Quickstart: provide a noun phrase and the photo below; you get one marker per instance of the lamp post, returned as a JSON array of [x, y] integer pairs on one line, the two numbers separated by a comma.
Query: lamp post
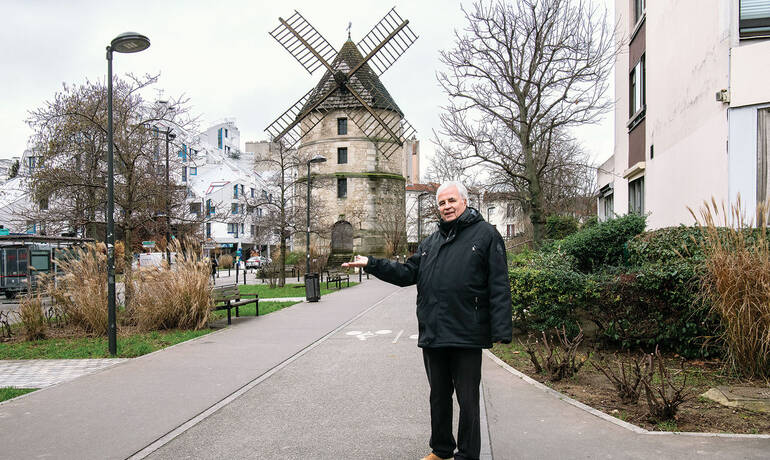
[[170, 136], [315, 159], [128, 42]]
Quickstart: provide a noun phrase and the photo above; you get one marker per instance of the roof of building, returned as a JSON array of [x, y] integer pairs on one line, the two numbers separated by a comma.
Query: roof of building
[[365, 82]]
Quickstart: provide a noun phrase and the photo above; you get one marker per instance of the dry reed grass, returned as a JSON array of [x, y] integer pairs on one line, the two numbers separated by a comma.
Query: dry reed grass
[[32, 317], [176, 297], [80, 289], [226, 261], [737, 283]]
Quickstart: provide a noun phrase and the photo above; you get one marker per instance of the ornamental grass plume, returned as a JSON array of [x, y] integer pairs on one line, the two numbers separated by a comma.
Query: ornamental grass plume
[[32, 317], [737, 283], [80, 287], [174, 297]]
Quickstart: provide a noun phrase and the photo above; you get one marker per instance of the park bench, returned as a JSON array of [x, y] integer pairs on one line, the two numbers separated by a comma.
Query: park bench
[[337, 278], [227, 297]]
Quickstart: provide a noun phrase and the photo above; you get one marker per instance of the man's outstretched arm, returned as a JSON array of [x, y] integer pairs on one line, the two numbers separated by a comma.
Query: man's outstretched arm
[[387, 270]]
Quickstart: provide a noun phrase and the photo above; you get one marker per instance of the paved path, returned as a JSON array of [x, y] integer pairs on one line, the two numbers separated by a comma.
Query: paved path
[[340, 379], [42, 373]]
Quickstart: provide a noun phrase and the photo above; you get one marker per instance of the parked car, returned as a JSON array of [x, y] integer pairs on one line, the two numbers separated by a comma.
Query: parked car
[[252, 262], [263, 260]]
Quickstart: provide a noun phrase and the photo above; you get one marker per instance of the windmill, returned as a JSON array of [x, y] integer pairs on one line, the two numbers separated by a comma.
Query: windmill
[[351, 81]]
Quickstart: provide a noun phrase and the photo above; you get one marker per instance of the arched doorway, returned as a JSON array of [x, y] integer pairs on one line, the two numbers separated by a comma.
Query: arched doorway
[[342, 237]]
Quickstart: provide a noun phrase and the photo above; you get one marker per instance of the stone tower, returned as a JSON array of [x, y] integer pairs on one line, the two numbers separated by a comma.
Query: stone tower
[[362, 188]]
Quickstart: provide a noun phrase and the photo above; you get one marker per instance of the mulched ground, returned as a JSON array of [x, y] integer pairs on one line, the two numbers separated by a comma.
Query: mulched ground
[[698, 414]]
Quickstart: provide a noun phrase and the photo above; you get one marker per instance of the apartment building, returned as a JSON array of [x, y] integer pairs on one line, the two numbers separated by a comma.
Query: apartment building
[[692, 112]]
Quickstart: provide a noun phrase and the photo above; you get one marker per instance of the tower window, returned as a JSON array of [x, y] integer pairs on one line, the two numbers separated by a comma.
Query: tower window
[[342, 187], [342, 126], [342, 155]]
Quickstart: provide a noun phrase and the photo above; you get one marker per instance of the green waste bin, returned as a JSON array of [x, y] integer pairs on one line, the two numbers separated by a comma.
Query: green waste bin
[[312, 287]]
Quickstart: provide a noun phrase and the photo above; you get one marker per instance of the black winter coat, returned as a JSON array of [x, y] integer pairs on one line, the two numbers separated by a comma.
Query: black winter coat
[[463, 291]]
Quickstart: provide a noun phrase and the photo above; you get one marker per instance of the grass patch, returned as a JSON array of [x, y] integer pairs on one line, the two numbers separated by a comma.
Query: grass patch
[[129, 346], [264, 309], [289, 290], [11, 392]]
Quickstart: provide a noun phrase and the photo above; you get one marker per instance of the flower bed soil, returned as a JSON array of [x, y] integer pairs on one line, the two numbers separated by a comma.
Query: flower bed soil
[[698, 414]]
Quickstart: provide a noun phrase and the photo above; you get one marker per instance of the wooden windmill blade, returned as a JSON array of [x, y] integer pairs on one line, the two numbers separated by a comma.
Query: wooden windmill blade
[[304, 42], [384, 49], [287, 125]]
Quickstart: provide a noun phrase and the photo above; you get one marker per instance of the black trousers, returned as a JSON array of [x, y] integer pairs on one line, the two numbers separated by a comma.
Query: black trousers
[[455, 370]]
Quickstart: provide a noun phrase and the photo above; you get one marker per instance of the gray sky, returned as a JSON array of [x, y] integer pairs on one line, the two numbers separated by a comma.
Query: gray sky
[[220, 55]]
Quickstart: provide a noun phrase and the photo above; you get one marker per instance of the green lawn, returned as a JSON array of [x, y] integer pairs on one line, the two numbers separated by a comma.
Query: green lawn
[[96, 347], [289, 290], [11, 392]]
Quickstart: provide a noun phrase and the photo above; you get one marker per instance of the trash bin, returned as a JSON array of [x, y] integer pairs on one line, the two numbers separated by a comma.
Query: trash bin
[[312, 287]]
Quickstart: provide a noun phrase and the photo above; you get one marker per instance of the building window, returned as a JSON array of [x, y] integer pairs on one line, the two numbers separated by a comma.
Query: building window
[[252, 192], [235, 191], [253, 229], [219, 138], [184, 173], [639, 7], [234, 208], [510, 230], [195, 208], [232, 228], [342, 155], [754, 19], [636, 89], [208, 229], [193, 170], [342, 126], [636, 196], [342, 187], [226, 133], [209, 208]]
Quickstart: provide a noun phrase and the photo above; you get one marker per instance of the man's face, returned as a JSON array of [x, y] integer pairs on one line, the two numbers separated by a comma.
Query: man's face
[[450, 204]]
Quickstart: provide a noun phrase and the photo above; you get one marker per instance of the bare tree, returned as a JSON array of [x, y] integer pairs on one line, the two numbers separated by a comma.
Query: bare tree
[[519, 75], [70, 139], [282, 198]]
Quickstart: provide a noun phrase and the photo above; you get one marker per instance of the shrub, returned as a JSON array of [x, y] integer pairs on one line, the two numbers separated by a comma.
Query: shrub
[[32, 317], [653, 304], [546, 298], [174, 298], [665, 245], [295, 257], [559, 227], [602, 244], [737, 282], [80, 289], [226, 261]]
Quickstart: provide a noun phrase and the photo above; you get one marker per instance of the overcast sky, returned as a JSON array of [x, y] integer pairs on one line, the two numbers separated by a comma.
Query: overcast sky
[[219, 54]]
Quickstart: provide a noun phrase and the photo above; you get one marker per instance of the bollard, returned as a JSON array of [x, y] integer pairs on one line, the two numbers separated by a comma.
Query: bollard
[[244, 276], [360, 272]]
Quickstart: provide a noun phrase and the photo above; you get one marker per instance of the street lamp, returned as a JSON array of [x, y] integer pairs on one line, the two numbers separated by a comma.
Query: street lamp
[[315, 159], [170, 136], [128, 42]]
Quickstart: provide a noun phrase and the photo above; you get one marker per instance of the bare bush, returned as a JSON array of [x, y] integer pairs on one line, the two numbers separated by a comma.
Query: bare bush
[[5, 324], [560, 361], [628, 380], [178, 297], [665, 396], [32, 318]]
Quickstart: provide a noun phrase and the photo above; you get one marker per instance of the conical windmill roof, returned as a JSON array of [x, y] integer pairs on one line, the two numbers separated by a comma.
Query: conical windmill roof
[[365, 82]]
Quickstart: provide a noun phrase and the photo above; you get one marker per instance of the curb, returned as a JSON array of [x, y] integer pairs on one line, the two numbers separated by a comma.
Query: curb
[[609, 418]]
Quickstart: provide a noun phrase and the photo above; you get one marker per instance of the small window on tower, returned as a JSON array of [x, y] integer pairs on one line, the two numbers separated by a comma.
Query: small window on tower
[[342, 126], [342, 187], [342, 155]]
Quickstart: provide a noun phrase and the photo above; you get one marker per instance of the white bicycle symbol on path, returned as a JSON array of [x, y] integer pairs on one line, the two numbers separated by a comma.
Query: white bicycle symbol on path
[[360, 335]]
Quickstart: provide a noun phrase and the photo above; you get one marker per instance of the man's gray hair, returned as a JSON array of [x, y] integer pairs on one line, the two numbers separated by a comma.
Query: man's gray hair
[[453, 183]]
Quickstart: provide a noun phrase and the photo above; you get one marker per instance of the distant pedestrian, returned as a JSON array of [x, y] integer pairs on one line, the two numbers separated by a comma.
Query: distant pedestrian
[[463, 305], [214, 265]]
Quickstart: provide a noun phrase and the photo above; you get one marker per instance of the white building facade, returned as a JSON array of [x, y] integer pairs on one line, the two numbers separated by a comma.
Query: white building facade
[[693, 108]]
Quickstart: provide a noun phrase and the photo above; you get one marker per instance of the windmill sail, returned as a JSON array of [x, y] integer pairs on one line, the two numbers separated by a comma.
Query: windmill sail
[[303, 42], [389, 49]]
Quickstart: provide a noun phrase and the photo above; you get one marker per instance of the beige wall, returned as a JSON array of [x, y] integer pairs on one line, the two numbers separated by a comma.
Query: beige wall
[[749, 70]]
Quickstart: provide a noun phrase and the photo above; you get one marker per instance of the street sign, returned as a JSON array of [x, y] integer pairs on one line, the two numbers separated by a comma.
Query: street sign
[[4, 232], [148, 244]]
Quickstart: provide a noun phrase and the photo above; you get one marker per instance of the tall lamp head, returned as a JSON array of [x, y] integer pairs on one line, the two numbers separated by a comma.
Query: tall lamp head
[[130, 42]]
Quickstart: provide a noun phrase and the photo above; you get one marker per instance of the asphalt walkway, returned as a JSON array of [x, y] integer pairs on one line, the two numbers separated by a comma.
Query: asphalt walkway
[[339, 379]]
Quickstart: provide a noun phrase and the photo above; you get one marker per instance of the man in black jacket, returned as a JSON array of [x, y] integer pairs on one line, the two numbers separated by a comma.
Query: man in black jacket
[[463, 305]]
